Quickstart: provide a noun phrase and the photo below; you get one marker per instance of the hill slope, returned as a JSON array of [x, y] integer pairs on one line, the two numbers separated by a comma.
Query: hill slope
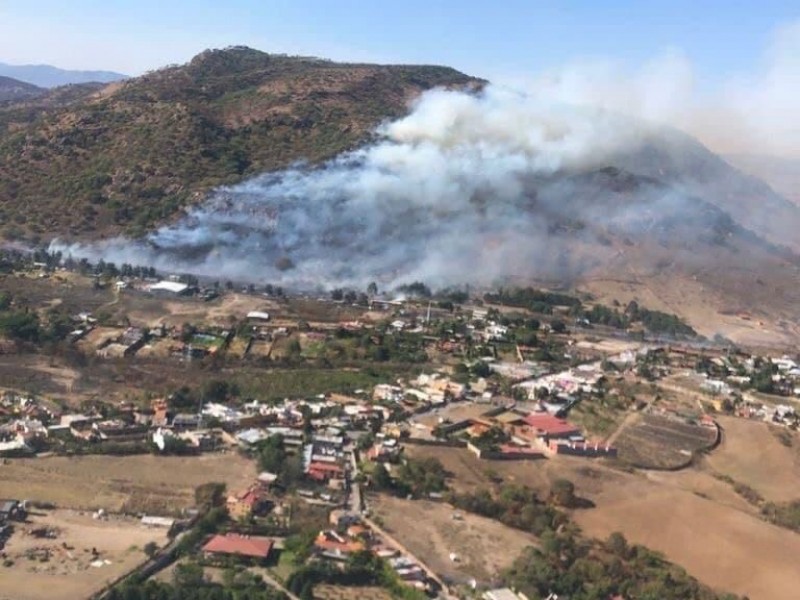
[[134, 153], [12, 90], [47, 76]]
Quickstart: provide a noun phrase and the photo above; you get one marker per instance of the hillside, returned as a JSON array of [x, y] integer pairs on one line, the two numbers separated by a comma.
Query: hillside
[[48, 76], [12, 90], [135, 152]]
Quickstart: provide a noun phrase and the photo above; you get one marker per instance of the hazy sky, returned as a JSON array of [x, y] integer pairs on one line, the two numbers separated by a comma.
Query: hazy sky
[[491, 39], [726, 70]]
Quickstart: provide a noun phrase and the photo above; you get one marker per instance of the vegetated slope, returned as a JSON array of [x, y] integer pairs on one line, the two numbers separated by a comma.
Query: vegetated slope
[[683, 254], [134, 153], [47, 76], [13, 90]]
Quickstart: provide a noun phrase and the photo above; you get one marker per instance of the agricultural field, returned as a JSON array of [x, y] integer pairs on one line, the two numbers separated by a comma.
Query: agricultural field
[[133, 484], [657, 442], [63, 565], [433, 530], [338, 592]]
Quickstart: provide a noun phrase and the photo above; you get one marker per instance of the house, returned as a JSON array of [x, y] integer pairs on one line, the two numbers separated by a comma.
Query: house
[[581, 448], [160, 410], [500, 594], [332, 544], [186, 421], [257, 315], [158, 522], [232, 544], [266, 479], [549, 427], [323, 471], [246, 504], [169, 288]]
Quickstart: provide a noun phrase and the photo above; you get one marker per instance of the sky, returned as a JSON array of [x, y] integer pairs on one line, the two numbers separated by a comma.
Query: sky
[[490, 39], [683, 59]]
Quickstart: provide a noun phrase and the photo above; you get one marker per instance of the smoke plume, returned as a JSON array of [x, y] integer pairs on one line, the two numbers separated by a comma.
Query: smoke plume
[[484, 187]]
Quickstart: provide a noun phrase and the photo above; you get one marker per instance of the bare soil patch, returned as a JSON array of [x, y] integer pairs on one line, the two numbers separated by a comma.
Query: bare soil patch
[[153, 484], [65, 567], [428, 529]]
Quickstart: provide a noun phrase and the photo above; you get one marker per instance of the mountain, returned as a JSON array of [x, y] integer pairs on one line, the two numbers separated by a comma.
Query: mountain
[[680, 159], [132, 154], [260, 166], [47, 76], [782, 174], [12, 90]]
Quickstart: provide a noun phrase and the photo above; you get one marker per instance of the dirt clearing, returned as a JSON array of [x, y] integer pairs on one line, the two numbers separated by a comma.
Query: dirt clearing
[[428, 529], [64, 567], [153, 484]]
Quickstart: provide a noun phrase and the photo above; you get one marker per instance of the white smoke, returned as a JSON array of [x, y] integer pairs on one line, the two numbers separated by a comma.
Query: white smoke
[[444, 196], [753, 112]]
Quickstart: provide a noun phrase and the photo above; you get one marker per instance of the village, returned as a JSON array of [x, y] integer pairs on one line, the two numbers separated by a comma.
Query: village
[[508, 386]]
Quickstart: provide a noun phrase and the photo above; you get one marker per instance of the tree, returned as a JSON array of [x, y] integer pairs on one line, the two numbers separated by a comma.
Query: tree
[[617, 544], [307, 592], [293, 348], [558, 326], [381, 478], [20, 325], [188, 574], [150, 549], [372, 288], [218, 391], [271, 454], [209, 495], [562, 493]]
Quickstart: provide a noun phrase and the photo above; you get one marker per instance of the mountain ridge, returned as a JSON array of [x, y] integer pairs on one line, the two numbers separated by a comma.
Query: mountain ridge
[[134, 153], [48, 76]]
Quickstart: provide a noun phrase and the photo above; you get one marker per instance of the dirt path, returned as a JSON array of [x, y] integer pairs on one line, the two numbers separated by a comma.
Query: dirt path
[[403, 549], [629, 419]]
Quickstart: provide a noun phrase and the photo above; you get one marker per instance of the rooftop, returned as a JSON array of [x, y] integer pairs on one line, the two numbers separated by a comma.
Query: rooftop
[[169, 286], [549, 424]]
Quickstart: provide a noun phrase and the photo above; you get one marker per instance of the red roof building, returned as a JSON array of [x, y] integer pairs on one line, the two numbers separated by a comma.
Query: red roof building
[[321, 471], [550, 426], [239, 545]]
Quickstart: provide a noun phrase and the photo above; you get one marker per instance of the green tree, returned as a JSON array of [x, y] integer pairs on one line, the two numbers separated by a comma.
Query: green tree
[[563, 493], [150, 549]]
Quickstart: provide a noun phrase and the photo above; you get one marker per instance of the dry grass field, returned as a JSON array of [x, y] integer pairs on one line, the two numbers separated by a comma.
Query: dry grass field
[[429, 530], [693, 518], [157, 485], [64, 568], [752, 454], [722, 546]]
